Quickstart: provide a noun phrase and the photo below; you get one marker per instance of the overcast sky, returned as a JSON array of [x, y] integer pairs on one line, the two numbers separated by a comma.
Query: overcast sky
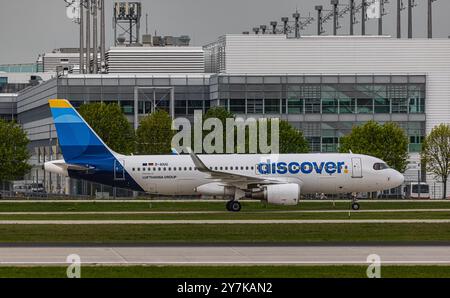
[[30, 27]]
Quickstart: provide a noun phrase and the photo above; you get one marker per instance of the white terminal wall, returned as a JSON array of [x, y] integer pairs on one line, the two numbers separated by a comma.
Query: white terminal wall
[[169, 59], [276, 54]]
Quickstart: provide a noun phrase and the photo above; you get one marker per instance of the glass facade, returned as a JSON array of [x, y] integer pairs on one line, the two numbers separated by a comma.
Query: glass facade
[[31, 67], [374, 97], [7, 87], [322, 95], [3, 82], [190, 93], [325, 108]]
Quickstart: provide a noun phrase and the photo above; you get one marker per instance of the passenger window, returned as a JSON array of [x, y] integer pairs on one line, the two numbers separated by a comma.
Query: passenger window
[[134, 169], [190, 168], [139, 169]]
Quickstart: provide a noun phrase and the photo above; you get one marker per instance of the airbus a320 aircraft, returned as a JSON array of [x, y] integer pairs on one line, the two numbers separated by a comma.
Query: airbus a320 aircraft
[[235, 176]]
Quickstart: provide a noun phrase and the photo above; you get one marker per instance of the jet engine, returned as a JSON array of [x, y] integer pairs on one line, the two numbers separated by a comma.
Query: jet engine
[[215, 189], [277, 194]]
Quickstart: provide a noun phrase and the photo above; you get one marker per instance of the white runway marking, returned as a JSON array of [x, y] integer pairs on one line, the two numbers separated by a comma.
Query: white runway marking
[[227, 255], [217, 221]]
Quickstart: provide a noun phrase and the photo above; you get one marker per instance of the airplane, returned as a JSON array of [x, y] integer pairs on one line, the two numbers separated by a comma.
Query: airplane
[[277, 179]]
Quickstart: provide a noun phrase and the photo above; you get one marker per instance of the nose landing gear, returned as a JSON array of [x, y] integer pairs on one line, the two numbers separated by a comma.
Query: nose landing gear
[[355, 204]]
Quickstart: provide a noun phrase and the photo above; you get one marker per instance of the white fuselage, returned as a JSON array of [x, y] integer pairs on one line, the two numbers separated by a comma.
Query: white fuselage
[[316, 173]]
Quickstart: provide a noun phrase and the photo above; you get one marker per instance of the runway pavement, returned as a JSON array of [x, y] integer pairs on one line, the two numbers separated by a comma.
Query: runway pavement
[[213, 212], [226, 255], [218, 221]]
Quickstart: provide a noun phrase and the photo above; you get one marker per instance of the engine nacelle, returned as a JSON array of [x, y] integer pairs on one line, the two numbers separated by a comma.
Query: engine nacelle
[[57, 167], [278, 194], [215, 189]]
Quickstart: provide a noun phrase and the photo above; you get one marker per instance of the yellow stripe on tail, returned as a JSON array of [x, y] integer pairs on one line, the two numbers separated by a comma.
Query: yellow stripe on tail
[[59, 103]]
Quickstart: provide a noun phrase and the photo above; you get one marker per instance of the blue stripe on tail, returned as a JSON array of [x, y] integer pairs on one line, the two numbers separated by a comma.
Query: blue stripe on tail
[[80, 145]]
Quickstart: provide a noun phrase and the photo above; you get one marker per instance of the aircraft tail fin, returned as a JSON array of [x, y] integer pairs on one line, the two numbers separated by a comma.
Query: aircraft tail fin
[[78, 141]]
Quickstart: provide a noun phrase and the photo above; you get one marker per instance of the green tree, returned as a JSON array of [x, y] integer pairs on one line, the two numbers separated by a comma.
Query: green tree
[[436, 154], [292, 139], [154, 134], [111, 125], [220, 113], [388, 142], [14, 153]]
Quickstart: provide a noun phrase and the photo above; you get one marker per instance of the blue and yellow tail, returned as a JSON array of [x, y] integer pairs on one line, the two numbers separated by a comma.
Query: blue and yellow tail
[[78, 141], [81, 146]]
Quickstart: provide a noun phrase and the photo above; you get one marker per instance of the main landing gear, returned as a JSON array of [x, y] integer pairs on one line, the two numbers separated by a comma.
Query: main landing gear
[[233, 206]]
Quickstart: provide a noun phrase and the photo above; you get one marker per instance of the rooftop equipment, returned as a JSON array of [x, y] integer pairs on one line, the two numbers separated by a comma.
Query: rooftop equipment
[[296, 17], [263, 29], [335, 4], [126, 18], [319, 9], [273, 24]]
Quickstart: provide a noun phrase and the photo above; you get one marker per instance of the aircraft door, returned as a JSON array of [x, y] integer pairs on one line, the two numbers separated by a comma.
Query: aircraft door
[[356, 167], [119, 170]]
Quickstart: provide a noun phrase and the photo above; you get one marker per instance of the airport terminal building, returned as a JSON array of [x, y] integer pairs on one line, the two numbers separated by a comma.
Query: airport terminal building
[[323, 85]]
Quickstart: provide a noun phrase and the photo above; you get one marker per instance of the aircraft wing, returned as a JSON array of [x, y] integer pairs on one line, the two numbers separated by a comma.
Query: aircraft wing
[[238, 180]]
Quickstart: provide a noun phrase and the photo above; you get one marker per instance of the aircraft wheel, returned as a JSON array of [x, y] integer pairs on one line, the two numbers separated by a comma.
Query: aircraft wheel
[[235, 206], [228, 205], [355, 206]]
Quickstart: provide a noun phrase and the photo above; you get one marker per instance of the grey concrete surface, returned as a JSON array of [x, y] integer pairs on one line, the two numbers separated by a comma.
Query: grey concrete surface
[[226, 255]]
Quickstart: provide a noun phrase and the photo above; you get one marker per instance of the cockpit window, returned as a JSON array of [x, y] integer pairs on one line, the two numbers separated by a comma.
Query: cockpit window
[[380, 166]]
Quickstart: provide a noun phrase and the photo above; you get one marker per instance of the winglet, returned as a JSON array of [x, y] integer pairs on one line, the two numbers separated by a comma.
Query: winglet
[[197, 162]]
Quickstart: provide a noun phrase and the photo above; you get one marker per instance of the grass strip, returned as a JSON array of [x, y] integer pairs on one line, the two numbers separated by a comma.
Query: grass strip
[[347, 271], [216, 233], [207, 206]]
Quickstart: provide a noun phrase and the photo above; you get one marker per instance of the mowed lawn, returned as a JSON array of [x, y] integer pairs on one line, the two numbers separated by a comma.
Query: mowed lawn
[[228, 233], [244, 215], [206, 206], [227, 272], [222, 233]]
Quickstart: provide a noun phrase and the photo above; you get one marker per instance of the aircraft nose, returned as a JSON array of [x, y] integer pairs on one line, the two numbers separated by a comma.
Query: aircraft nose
[[397, 178]]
